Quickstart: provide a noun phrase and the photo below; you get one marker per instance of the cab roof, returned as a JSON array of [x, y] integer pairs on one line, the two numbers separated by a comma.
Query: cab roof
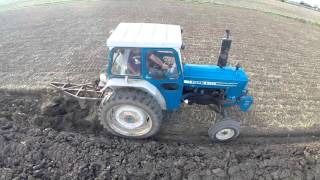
[[146, 35]]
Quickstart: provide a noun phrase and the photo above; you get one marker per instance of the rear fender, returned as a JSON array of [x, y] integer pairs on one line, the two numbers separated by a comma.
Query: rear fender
[[140, 84]]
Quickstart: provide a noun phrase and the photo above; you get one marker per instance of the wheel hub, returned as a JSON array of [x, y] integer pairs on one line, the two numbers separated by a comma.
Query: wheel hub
[[225, 134], [130, 120]]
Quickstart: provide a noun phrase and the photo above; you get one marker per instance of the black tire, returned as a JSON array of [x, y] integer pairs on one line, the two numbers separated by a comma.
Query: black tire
[[230, 126], [133, 98]]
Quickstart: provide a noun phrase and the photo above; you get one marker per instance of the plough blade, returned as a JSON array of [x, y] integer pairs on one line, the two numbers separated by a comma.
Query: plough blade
[[79, 91]]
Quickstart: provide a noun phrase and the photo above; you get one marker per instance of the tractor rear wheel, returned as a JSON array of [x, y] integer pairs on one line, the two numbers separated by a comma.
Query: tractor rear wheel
[[225, 130], [131, 113]]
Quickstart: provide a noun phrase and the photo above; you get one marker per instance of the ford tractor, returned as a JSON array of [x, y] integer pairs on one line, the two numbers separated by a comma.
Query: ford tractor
[[145, 77]]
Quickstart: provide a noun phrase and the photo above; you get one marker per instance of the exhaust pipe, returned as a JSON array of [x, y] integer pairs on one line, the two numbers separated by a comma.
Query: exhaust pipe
[[224, 51]]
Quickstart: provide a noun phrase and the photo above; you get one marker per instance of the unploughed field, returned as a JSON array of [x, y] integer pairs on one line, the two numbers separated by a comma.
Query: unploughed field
[[273, 7], [61, 42]]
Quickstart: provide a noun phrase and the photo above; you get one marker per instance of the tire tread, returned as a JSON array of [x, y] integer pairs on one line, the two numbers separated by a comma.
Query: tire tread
[[142, 99]]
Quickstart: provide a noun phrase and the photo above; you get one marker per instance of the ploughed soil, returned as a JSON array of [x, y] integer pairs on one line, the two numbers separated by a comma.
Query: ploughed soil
[[53, 137]]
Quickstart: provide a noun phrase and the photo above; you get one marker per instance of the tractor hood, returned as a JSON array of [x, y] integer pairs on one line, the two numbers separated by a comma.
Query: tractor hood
[[212, 76]]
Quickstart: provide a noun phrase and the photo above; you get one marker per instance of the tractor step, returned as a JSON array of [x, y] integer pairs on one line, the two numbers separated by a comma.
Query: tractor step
[[79, 91]]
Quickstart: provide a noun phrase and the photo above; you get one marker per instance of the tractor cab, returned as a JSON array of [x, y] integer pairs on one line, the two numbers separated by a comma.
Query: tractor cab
[[147, 56]]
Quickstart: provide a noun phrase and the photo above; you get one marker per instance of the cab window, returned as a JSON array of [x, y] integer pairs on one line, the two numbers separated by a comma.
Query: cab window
[[126, 61], [161, 64]]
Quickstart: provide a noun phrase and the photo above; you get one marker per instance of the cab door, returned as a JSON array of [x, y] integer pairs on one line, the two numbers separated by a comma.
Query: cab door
[[162, 69]]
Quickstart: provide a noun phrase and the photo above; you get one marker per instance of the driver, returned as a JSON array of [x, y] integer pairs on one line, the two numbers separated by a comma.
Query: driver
[[156, 66], [134, 62]]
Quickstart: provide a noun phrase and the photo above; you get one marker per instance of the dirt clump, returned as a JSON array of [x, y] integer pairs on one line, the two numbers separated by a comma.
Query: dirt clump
[[39, 142]]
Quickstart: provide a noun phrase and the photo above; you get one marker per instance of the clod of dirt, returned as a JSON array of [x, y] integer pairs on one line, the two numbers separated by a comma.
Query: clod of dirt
[[53, 108], [5, 124], [219, 172], [66, 114], [233, 169]]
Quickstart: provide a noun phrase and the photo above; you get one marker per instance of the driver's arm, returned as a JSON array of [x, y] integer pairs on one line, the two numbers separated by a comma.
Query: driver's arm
[[158, 61]]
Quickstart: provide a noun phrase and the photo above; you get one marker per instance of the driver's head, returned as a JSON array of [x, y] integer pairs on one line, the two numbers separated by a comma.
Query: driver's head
[[121, 51]]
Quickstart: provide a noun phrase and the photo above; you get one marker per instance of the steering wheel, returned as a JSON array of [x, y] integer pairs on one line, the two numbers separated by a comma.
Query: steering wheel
[[171, 72], [157, 73]]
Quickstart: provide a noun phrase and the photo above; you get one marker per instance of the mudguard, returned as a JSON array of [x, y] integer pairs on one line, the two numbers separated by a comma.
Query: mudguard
[[138, 84]]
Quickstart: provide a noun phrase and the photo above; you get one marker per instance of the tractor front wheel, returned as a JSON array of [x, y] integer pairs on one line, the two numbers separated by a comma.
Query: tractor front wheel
[[131, 113], [225, 130]]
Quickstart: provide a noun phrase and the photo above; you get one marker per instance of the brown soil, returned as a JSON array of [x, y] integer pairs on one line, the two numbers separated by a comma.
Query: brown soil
[[41, 139]]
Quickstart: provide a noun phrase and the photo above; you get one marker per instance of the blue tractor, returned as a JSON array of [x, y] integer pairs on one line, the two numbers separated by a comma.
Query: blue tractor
[[145, 76]]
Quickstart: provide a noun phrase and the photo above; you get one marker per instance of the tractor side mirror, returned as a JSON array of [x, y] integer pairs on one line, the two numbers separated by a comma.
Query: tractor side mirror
[[183, 46]]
